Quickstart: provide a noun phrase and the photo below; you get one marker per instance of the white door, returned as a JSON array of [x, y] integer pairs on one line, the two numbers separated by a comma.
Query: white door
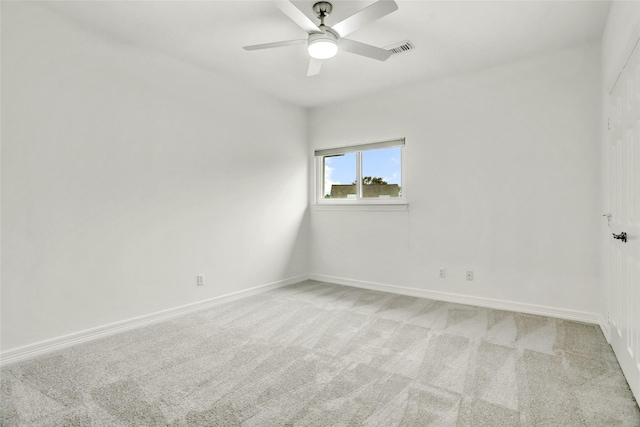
[[624, 206]]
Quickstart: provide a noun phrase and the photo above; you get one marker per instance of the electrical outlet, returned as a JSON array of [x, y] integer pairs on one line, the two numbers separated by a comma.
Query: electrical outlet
[[200, 279], [442, 274], [469, 275]]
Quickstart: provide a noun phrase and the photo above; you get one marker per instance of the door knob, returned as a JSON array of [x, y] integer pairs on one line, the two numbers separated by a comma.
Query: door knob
[[622, 236]]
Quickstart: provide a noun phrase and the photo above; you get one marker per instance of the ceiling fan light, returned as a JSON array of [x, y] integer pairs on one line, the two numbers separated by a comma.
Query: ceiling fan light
[[322, 48]]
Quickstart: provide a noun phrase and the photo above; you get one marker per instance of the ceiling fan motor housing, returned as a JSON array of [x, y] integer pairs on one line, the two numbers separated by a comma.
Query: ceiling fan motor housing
[[327, 34]]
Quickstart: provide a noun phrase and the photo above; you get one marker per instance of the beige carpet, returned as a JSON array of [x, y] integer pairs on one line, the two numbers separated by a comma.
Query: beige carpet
[[326, 355]]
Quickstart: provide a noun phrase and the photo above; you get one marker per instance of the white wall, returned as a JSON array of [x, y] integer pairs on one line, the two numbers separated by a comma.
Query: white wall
[[125, 174], [502, 179], [622, 29]]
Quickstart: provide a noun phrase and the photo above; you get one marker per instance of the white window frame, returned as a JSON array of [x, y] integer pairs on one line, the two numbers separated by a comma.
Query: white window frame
[[392, 203]]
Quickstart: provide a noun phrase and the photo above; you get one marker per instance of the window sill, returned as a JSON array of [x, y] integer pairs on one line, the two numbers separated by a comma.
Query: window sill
[[360, 207]]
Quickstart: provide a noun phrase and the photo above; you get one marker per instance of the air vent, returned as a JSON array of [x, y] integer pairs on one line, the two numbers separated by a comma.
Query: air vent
[[400, 47]]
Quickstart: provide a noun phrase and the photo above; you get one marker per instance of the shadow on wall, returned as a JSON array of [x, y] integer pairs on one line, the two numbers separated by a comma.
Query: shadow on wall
[[298, 260]]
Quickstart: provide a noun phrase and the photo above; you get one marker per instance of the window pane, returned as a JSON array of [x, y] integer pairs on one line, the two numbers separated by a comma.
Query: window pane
[[381, 173], [339, 176]]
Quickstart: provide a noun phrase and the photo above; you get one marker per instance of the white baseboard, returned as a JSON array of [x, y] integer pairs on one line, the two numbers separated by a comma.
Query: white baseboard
[[604, 325], [47, 346], [562, 313], [32, 350]]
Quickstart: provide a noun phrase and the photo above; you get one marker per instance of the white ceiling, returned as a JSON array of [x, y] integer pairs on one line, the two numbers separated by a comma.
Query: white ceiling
[[450, 37]]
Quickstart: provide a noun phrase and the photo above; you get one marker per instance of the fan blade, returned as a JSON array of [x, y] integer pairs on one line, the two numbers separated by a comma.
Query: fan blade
[[274, 44], [314, 67], [298, 17], [363, 17], [364, 49]]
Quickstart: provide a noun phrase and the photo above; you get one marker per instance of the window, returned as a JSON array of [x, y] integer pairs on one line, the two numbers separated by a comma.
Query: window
[[361, 174]]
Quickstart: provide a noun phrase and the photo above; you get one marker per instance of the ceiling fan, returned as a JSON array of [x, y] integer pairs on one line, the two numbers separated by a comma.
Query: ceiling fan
[[324, 41]]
